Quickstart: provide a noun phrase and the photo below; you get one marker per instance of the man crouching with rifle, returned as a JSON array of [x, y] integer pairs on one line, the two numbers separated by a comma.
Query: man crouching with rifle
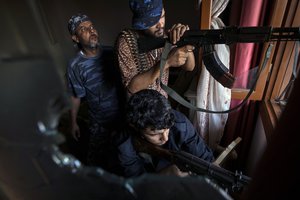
[[158, 139]]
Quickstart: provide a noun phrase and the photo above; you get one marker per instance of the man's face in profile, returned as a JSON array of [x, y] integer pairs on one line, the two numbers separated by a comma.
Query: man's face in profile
[[158, 29], [156, 137], [86, 35]]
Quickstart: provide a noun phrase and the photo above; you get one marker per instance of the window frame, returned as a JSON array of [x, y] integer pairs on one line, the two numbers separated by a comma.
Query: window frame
[[282, 65], [275, 76]]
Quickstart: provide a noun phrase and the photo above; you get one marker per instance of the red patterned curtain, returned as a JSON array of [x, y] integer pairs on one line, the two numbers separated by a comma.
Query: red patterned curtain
[[242, 122]]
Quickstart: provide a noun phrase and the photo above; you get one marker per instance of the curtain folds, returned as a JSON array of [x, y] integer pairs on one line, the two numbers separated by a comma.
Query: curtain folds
[[242, 122], [211, 94]]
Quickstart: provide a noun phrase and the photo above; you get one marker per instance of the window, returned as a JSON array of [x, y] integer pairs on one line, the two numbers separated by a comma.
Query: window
[[278, 72], [285, 14]]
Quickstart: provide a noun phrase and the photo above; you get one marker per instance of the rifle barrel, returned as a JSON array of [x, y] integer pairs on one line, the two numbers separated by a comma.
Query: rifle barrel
[[189, 162], [226, 35]]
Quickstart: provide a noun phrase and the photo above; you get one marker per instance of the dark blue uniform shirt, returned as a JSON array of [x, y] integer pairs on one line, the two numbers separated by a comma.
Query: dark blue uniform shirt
[[182, 136], [95, 80]]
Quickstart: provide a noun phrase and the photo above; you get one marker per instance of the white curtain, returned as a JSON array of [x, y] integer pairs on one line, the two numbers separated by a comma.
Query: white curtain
[[212, 95]]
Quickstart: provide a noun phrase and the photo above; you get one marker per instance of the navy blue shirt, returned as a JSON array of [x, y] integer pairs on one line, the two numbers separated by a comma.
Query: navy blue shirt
[[94, 79], [182, 136]]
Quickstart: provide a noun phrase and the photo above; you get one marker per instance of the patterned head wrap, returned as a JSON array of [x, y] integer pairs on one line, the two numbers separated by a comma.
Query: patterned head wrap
[[146, 13], [75, 20]]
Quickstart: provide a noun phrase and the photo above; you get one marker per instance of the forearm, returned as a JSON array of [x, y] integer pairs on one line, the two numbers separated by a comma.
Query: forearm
[[144, 79], [173, 170], [74, 110], [190, 62]]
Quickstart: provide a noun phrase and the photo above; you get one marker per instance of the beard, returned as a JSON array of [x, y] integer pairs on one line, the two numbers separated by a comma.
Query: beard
[[90, 45], [159, 33], [94, 45], [93, 42]]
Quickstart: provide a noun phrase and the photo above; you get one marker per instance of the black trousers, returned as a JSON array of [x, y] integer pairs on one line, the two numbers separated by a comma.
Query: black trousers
[[101, 151]]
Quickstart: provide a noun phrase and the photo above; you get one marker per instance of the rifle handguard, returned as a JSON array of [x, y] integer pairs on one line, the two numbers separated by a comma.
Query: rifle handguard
[[216, 68]]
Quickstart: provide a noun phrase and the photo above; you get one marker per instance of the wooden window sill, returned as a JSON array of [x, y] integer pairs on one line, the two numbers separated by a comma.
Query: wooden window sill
[[270, 113]]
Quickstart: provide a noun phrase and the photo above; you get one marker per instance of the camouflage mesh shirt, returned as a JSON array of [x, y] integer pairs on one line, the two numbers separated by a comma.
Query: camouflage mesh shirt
[[131, 62]]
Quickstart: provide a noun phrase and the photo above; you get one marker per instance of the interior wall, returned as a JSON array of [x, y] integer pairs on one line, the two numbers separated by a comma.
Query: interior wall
[[109, 17], [40, 26]]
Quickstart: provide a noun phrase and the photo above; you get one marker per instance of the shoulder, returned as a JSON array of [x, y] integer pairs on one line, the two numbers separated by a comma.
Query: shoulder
[[126, 36], [128, 31], [179, 117], [182, 125], [123, 138], [125, 147], [75, 61]]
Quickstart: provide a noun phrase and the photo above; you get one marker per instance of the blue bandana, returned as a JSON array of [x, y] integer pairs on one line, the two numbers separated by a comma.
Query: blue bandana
[[146, 13], [75, 20]]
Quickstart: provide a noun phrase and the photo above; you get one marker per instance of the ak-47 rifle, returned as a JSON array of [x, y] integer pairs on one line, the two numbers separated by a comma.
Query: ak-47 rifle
[[186, 162], [228, 35]]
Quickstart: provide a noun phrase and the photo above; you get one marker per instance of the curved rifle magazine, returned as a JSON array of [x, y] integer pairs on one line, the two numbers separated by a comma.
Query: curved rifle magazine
[[216, 68]]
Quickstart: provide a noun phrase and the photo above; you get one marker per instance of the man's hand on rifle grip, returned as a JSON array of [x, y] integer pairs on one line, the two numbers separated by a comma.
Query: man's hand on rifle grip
[[174, 170], [176, 32]]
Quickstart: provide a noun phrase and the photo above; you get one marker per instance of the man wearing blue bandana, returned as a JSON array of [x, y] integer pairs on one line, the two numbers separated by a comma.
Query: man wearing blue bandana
[[141, 70], [92, 77]]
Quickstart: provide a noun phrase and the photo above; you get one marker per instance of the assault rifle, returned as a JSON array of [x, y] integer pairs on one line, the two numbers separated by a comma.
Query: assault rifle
[[228, 35], [233, 182], [186, 162]]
